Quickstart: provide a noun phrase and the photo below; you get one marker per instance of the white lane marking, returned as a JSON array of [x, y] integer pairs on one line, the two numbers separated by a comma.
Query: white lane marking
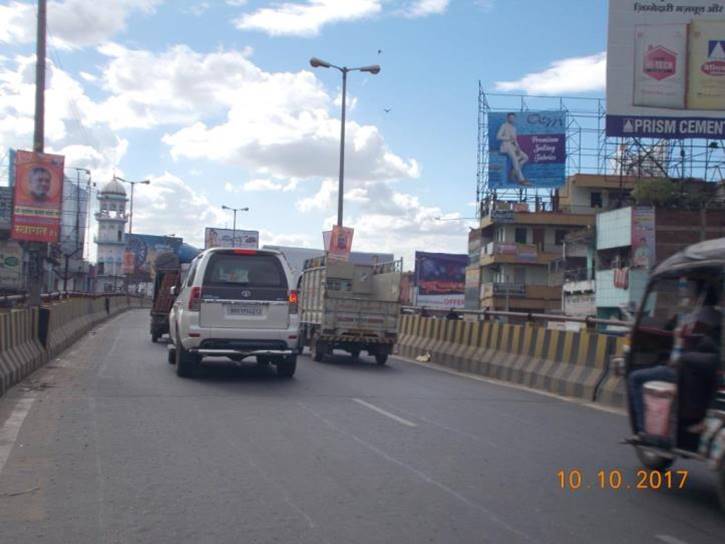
[[670, 539], [10, 429], [420, 474], [385, 413]]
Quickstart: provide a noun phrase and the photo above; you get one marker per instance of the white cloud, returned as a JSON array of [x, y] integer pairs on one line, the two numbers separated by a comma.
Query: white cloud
[[292, 131], [169, 205], [306, 18], [423, 8], [197, 9], [74, 123], [236, 2], [485, 5], [572, 75], [262, 185], [71, 23]]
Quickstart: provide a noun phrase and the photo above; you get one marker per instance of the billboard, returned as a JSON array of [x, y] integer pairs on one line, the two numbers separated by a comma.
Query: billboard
[[6, 207], [526, 149], [666, 69], [145, 248], [338, 242], [246, 239], [11, 265], [440, 279], [643, 237], [74, 213], [38, 192]]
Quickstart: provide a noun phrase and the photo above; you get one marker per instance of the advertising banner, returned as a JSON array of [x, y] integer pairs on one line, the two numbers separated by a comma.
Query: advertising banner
[[440, 279], [338, 242], [6, 207], [666, 69], [74, 212], [643, 237], [144, 248], [245, 239], [38, 192], [11, 265], [527, 149]]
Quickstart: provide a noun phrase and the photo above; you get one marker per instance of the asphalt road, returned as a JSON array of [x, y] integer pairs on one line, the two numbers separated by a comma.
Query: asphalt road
[[107, 444]]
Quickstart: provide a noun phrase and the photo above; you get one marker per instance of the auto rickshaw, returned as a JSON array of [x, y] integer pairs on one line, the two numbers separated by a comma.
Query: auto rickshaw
[[684, 417]]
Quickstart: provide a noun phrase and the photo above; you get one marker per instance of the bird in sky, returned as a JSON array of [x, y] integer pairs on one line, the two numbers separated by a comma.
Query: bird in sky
[[387, 110], [380, 51]]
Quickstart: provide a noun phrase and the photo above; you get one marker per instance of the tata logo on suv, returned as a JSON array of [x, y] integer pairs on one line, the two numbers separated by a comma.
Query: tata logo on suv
[[246, 293]]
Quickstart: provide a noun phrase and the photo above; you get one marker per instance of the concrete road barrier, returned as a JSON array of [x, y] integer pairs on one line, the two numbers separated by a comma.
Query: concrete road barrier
[[568, 363], [24, 347]]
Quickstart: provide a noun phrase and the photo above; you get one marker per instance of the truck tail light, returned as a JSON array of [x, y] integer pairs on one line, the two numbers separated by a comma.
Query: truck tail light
[[195, 299], [292, 299]]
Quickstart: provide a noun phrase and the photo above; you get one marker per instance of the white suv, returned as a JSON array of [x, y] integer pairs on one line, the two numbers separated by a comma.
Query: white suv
[[235, 303]]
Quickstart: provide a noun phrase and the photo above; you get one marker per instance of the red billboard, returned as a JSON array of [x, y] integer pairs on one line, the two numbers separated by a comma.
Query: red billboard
[[38, 193], [338, 242]]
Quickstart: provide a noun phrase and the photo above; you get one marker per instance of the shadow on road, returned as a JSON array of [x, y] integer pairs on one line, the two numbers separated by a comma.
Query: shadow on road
[[363, 363]]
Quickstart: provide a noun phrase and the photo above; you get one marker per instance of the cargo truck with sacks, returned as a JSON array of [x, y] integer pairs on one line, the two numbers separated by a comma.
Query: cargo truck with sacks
[[350, 307]]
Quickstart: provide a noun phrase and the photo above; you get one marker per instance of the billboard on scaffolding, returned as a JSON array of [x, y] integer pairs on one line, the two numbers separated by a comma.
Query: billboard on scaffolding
[[666, 69], [526, 149]]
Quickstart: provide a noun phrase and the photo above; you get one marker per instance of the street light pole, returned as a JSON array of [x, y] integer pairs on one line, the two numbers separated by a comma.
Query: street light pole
[[342, 149], [373, 69], [132, 184], [234, 224]]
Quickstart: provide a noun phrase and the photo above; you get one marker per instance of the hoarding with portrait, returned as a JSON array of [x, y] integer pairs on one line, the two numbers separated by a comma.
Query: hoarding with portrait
[[38, 193], [440, 279], [246, 239], [338, 242], [526, 149], [145, 248], [666, 69], [643, 237]]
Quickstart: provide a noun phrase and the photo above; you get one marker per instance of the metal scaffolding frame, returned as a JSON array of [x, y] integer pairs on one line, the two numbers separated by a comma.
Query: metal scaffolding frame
[[590, 151]]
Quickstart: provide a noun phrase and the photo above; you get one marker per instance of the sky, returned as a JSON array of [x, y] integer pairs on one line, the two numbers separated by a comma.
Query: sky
[[216, 103]]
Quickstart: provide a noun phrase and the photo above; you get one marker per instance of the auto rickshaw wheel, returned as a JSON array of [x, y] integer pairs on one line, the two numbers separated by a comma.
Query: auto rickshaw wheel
[[653, 461], [721, 484]]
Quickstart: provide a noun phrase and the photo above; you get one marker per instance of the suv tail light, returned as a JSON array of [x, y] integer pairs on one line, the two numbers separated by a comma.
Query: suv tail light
[[195, 299], [293, 300]]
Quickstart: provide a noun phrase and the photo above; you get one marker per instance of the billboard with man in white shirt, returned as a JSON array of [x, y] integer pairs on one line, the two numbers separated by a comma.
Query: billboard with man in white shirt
[[526, 149]]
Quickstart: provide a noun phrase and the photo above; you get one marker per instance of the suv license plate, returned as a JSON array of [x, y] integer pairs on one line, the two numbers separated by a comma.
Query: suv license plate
[[244, 310]]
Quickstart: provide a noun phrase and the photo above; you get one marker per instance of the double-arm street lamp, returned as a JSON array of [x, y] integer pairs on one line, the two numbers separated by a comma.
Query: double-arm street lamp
[[374, 69], [234, 227], [132, 184]]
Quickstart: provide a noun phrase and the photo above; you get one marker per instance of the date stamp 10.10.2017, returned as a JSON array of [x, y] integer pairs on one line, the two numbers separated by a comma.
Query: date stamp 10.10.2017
[[616, 479]]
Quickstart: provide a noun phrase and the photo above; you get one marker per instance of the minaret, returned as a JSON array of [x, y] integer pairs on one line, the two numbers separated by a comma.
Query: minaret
[[111, 238]]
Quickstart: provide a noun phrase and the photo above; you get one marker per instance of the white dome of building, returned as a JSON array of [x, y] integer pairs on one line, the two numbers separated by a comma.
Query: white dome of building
[[113, 187]]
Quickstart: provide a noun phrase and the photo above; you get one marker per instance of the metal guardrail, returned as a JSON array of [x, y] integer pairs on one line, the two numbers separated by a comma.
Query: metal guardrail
[[532, 316]]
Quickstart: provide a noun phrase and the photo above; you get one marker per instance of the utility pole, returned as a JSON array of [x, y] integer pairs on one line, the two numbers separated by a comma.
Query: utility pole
[[234, 227], [38, 251]]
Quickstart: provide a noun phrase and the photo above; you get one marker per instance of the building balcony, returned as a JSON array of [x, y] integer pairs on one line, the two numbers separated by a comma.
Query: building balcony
[[559, 218], [512, 253], [498, 295]]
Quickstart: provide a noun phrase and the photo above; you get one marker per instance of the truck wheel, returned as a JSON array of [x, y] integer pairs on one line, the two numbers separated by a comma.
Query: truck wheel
[[381, 355], [317, 349], [355, 354], [286, 367], [653, 461], [171, 357], [187, 364], [263, 360]]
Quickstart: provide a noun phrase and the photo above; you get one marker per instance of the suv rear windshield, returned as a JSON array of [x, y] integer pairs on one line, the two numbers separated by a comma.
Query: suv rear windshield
[[245, 270]]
